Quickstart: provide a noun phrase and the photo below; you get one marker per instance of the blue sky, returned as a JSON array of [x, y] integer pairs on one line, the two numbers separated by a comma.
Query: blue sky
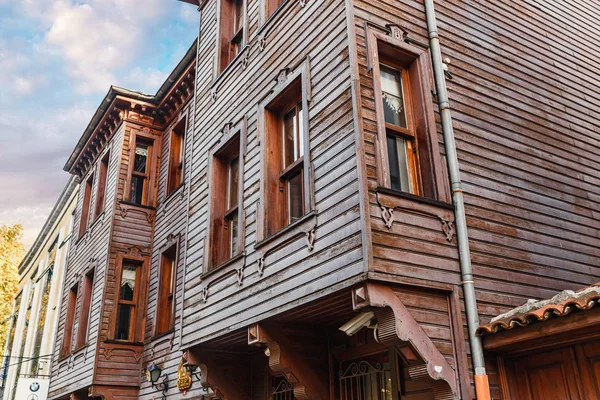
[[58, 59]]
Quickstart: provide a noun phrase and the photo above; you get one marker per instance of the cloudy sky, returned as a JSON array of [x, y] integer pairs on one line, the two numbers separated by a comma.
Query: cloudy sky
[[58, 59]]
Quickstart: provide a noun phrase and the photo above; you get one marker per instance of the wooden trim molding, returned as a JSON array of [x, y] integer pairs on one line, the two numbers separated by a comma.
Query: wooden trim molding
[[395, 323]]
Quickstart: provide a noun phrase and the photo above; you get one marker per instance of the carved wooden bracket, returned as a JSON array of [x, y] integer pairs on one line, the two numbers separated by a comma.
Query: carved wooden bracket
[[310, 237], [262, 43], [387, 213], [278, 363], [447, 227], [261, 265], [246, 59], [204, 294], [240, 275], [303, 3], [213, 95], [395, 323]]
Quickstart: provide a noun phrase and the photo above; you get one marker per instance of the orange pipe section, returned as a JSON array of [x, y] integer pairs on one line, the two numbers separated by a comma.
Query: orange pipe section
[[482, 387]]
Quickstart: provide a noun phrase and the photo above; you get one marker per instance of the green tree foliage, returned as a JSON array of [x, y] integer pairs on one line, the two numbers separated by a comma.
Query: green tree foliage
[[11, 254]]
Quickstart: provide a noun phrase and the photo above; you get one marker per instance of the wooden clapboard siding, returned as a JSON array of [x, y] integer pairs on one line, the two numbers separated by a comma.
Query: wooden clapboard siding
[[120, 363], [76, 371], [524, 97], [169, 228], [293, 274]]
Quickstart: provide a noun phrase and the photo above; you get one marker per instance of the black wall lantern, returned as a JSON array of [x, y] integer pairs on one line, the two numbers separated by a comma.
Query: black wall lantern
[[153, 374]]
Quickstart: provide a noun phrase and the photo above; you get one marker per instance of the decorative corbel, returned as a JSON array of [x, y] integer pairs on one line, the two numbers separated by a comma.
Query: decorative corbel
[[204, 294], [303, 3], [227, 128], [262, 43], [310, 237], [447, 228], [240, 275], [387, 213], [213, 95], [261, 265], [246, 59]]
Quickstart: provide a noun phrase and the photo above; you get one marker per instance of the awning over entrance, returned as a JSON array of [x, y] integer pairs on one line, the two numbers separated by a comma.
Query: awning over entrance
[[560, 305]]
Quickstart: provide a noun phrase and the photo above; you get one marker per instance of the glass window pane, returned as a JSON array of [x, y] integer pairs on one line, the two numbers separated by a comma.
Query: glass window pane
[[239, 16], [233, 182], [398, 163], [233, 229], [300, 132], [394, 108], [137, 189], [289, 135], [295, 197], [124, 315], [127, 291], [141, 158]]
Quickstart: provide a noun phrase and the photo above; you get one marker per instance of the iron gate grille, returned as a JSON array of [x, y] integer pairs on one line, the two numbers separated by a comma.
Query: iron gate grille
[[282, 390], [363, 381]]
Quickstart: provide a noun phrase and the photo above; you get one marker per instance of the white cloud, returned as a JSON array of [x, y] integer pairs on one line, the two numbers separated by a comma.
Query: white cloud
[[99, 38]]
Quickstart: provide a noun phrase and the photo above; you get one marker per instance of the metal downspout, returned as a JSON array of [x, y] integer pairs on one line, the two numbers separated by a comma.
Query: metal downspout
[[482, 388]]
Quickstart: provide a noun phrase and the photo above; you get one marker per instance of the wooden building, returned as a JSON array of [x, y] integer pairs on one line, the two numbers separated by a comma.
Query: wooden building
[[121, 246], [27, 357], [314, 245]]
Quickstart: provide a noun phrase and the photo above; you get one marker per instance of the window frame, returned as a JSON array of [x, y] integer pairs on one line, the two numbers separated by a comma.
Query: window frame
[[153, 141], [176, 180], [414, 61], [174, 248], [67, 343], [85, 309], [233, 137], [138, 321], [287, 81], [224, 40], [86, 205], [269, 8], [103, 166]]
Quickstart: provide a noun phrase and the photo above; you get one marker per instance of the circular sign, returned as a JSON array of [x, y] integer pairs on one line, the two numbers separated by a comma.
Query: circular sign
[[32, 397], [34, 387]]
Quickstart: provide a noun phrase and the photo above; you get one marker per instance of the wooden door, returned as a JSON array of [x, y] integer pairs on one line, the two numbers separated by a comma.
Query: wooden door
[[588, 358], [545, 376], [569, 373]]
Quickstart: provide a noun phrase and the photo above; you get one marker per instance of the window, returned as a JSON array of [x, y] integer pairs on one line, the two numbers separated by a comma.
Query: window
[[11, 338], [101, 190], [400, 135], [52, 252], [140, 173], [128, 299], [84, 310], [286, 179], [41, 322], [165, 320], [85, 207], [176, 157], [408, 158], [273, 5], [231, 39], [70, 320], [225, 205]]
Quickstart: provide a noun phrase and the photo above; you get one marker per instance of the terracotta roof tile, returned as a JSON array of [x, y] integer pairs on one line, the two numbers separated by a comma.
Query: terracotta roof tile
[[533, 311]]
